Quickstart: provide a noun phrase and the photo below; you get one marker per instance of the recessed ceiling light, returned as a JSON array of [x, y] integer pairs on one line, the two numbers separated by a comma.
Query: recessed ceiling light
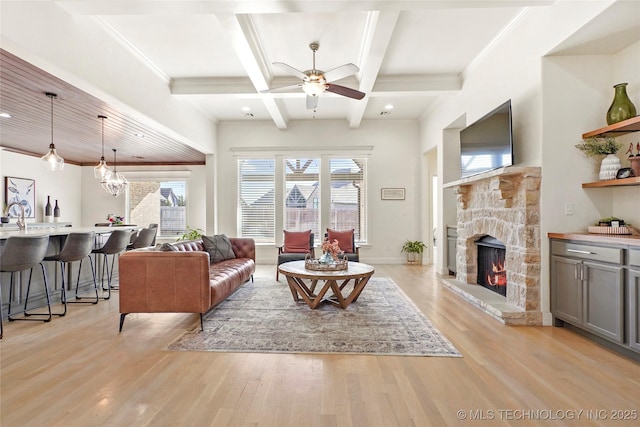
[[246, 109], [389, 107], [5, 115], [139, 135]]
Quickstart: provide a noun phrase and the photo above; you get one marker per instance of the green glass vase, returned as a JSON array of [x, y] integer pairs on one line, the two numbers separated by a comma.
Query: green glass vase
[[621, 108]]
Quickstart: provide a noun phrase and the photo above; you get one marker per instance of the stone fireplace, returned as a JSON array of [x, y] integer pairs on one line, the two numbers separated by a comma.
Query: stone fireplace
[[503, 204]]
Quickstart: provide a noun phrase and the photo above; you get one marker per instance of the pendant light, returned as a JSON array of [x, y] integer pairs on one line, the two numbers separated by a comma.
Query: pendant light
[[102, 169], [115, 183], [52, 161]]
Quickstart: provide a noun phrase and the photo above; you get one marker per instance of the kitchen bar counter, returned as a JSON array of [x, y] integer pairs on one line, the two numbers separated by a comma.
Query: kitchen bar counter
[[616, 239], [59, 231]]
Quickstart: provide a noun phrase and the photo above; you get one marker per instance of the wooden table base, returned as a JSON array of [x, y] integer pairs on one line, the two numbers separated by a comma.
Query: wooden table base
[[300, 290]]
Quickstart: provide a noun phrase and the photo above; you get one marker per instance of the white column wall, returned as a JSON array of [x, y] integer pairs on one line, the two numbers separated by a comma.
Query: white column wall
[[393, 162]]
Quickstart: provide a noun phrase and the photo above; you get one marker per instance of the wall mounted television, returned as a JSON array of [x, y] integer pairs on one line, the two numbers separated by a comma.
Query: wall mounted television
[[487, 144]]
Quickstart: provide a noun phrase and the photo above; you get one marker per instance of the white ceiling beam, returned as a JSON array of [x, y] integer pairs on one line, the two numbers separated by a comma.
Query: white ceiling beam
[[244, 39], [164, 7], [375, 40]]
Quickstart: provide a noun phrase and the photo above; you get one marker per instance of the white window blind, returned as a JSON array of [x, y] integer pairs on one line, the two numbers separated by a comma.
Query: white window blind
[[348, 196], [302, 195], [256, 199]]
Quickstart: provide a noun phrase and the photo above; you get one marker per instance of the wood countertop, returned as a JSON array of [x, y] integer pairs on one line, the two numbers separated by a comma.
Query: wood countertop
[[616, 239]]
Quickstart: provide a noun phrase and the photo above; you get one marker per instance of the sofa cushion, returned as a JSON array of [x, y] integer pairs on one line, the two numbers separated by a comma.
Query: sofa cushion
[[219, 247], [344, 238], [168, 247], [296, 241]]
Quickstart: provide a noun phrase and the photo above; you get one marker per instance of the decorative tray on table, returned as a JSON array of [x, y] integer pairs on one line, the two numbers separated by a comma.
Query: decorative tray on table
[[336, 265], [599, 229]]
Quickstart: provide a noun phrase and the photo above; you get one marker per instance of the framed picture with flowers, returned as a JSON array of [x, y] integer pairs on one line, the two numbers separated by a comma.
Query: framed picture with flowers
[[23, 191]]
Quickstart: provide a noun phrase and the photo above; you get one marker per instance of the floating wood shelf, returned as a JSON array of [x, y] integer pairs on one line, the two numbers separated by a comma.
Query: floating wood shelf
[[613, 183], [616, 129]]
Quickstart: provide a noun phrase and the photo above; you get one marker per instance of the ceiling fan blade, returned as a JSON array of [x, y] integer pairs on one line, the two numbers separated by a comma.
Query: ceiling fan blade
[[289, 69], [282, 88], [341, 72], [312, 102], [345, 91]]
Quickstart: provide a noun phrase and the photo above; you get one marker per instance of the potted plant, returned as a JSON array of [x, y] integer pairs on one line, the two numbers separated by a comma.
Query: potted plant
[[5, 215], [414, 250], [608, 147], [191, 234]]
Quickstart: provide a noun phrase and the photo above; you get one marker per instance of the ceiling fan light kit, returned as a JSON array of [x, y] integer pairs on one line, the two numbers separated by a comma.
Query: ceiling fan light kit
[[52, 160], [315, 82]]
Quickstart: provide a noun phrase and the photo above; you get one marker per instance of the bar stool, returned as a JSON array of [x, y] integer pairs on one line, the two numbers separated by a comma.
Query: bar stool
[[115, 244], [77, 247], [144, 239], [21, 253]]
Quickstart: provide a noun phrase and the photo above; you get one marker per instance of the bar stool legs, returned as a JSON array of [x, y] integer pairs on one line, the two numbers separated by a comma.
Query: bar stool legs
[[27, 314], [95, 284]]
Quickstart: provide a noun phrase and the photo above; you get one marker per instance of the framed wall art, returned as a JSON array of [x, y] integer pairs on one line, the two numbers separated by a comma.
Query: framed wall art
[[23, 191], [392, 193]]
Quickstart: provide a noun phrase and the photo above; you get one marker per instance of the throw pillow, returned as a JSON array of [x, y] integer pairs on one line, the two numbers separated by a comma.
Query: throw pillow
[[219, 247], [344, 238], [296, 241], [168, 247]]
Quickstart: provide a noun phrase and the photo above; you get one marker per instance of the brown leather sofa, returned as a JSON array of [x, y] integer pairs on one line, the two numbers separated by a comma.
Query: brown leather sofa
[[181, 280]]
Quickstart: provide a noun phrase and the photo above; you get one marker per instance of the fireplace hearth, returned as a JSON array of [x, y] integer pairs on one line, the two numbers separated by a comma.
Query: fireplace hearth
[[503, 204], [491, 265]]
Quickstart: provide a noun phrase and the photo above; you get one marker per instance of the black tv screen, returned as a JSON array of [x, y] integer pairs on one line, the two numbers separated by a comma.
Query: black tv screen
[[487, 144]]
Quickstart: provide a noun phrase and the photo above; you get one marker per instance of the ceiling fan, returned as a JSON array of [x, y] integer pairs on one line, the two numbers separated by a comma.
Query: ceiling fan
[[314, 82]]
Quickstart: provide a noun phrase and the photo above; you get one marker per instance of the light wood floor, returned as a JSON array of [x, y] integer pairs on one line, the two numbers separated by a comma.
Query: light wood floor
[[79, 371]]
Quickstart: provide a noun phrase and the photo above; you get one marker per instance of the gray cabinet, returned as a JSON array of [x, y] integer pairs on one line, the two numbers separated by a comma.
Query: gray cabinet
[[566, 289], [587, 288], [633, 299], [452, 242]]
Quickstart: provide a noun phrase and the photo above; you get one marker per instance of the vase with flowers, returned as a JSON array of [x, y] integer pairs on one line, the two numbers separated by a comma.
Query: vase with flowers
[[608, 147], [115, 219], [330, 251]]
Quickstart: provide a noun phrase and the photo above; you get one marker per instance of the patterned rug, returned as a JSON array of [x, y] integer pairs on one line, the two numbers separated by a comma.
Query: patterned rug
[[261, 317]]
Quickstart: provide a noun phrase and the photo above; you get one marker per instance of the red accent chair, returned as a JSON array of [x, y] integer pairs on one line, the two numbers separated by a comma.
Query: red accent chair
[[296, 246], [347, 242]]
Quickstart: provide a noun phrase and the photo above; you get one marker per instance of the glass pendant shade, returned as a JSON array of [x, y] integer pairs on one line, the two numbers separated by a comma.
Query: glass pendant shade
[[102, 170], [52, 160], [114, 182]]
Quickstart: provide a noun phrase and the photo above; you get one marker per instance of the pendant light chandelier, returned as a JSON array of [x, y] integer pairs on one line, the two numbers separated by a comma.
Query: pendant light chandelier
[[102, 170], [115, 183], [52, 161]]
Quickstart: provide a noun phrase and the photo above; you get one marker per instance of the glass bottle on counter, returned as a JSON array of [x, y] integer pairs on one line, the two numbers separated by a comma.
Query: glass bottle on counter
[[56, 212], [48, 213]]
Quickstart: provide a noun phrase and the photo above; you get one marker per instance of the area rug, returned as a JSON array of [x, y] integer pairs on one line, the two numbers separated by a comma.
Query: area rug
[[262, 317]]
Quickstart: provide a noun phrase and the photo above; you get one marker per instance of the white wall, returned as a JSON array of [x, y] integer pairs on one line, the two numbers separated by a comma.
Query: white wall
[[393, 162], [550, 99], [64, 186]]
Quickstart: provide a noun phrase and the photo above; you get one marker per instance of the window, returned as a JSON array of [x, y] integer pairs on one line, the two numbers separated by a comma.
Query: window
[[348, 196], [256, 199], [301, 195], [159, 202]]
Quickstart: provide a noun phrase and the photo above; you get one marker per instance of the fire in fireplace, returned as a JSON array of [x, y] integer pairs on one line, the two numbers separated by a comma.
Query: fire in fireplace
[[491, 269]]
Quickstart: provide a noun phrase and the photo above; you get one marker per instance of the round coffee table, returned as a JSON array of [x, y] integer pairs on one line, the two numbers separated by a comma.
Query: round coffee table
[[302, 283]]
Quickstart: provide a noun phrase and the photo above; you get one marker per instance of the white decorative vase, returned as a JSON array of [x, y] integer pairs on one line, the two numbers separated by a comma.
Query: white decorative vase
[[609, 167]]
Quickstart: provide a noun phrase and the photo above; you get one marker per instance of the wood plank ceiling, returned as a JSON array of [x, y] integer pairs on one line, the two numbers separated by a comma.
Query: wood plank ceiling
[[77, 130]]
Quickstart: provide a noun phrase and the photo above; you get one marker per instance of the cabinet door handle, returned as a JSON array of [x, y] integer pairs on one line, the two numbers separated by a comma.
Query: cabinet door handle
[[581, 252]]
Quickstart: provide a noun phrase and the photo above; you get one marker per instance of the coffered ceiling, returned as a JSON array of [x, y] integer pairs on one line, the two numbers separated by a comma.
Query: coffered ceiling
[[219, 55]]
